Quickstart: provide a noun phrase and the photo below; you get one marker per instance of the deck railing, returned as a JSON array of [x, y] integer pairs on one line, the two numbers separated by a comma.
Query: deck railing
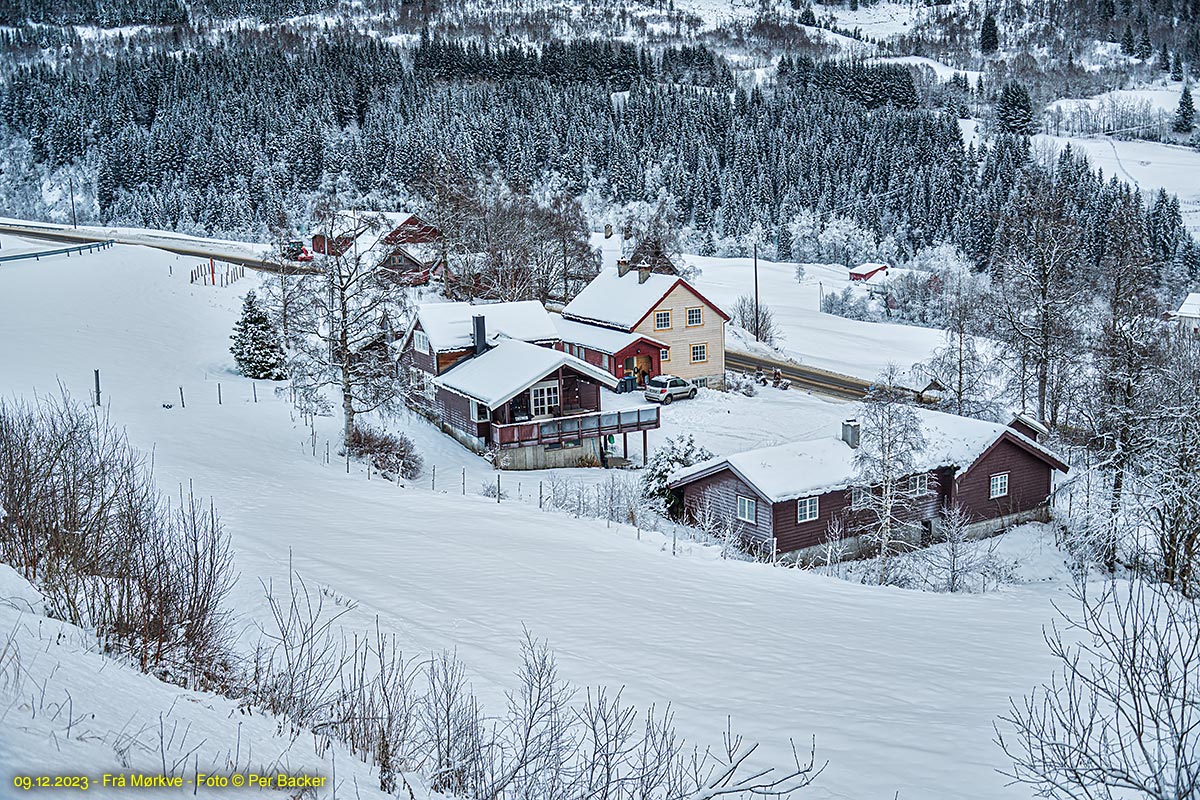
[[590, 425]]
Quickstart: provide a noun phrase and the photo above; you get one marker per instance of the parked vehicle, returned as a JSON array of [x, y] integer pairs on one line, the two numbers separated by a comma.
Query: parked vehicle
[[665, 388]]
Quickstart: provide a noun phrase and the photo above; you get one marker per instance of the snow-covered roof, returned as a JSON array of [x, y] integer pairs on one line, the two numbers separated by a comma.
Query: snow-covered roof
[[869, 268], [594, 337], [816, 466], [1190, 306], [622, 301], [449, 325], [510, 368]]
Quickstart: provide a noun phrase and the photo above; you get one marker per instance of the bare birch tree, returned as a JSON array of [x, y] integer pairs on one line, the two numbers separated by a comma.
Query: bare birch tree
[[891, 439]]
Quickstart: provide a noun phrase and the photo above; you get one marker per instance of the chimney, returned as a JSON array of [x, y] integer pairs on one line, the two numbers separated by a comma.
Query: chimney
[[622, 267], [479, 334], [643, 274], [850, 431]]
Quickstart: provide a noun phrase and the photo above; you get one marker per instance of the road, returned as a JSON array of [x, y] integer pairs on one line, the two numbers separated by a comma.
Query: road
[[184, 247], [817, 381]]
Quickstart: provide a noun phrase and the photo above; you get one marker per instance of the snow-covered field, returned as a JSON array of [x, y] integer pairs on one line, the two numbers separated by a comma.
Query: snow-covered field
[[1149, 166], [851, 347], [899, 688]]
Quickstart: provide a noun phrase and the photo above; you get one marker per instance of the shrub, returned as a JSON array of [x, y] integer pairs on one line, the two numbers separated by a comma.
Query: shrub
[[393, 454]]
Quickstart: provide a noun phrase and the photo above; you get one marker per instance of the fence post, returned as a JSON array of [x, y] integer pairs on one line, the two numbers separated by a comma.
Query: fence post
[[539, 494], [433, 480], [218, 393], [97, 386], [464, 481], [254, 386], [497, 487], [181, 403]]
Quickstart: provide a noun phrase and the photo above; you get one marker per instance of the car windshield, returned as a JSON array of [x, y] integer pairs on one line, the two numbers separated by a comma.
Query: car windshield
[[658, 383]]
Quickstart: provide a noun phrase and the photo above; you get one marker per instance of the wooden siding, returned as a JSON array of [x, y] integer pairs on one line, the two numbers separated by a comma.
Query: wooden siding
[[411, 357], [680, 338], [446, 360], [1028, 482], [720, 492], [455, 410]]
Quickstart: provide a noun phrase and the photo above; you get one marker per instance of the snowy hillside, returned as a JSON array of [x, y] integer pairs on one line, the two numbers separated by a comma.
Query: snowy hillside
[[783, 653]]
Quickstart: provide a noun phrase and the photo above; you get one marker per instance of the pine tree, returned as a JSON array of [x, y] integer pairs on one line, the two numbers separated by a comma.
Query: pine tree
[[1164, 58], [1014, 110], [256, 348], [989, 36], [1185, 115], [1127, 41], [807, 17], [1177, 68], [1108, 9], [1144, 48]]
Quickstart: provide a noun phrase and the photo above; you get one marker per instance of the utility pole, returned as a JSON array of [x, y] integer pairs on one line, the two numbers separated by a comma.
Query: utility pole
[[71, 183], [757, 333]]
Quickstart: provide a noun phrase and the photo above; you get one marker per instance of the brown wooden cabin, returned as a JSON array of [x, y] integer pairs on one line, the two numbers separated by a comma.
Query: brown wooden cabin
[[786, 498]]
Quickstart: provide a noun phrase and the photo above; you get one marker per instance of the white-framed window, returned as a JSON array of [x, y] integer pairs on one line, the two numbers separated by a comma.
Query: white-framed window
[[699, 353], [481, 413], [662, 320], [420, 342], [695, 316], [919, 484], [747, 509], [543, 398], [664, 354], [605, 362], [808, 509], [701, 382], [859, 498], [998, 485]]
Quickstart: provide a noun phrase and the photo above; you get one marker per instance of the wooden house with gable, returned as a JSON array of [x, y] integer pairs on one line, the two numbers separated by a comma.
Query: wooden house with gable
[[784, 498], [494, 376]]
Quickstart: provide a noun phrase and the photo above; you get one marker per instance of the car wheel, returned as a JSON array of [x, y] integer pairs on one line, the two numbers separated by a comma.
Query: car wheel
[[667, 400], [692, 394]]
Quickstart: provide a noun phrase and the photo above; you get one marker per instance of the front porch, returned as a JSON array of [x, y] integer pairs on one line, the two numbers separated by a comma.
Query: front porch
[[569, 430]]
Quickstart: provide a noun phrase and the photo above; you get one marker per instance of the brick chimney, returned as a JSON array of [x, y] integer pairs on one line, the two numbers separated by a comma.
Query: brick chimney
[[643, 274], [622, 267]]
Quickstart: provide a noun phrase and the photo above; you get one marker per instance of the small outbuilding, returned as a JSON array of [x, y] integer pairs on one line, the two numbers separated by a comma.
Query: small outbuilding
[[865, 272]]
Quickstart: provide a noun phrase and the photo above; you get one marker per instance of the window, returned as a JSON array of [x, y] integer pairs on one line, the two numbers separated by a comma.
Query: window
[[859, 498], [807, 509], [747, 509], [701, 382], [420, 342], [544, 400], [662, 320], [605, 362], [998, 485], [664, 355], [695, 317], [699, 353], [482, 412], [919, 484]]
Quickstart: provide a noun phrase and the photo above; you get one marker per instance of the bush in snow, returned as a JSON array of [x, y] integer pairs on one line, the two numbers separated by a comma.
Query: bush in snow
[[848, 304], [741, 382], [88, 528], [390, 453], [674, 454], [256, 348]]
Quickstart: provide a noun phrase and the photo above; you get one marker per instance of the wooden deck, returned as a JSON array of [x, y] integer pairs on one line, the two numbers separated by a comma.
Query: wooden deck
[[575, 427]]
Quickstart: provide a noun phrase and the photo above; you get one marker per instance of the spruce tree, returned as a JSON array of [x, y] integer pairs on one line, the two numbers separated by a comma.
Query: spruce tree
[[1144, 47], [1177, 68], [807, 17], [1127, 41], [989, 36], [1185, 115], [256, 348], [1164, 58], [1108, 9], [1014, 110]]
